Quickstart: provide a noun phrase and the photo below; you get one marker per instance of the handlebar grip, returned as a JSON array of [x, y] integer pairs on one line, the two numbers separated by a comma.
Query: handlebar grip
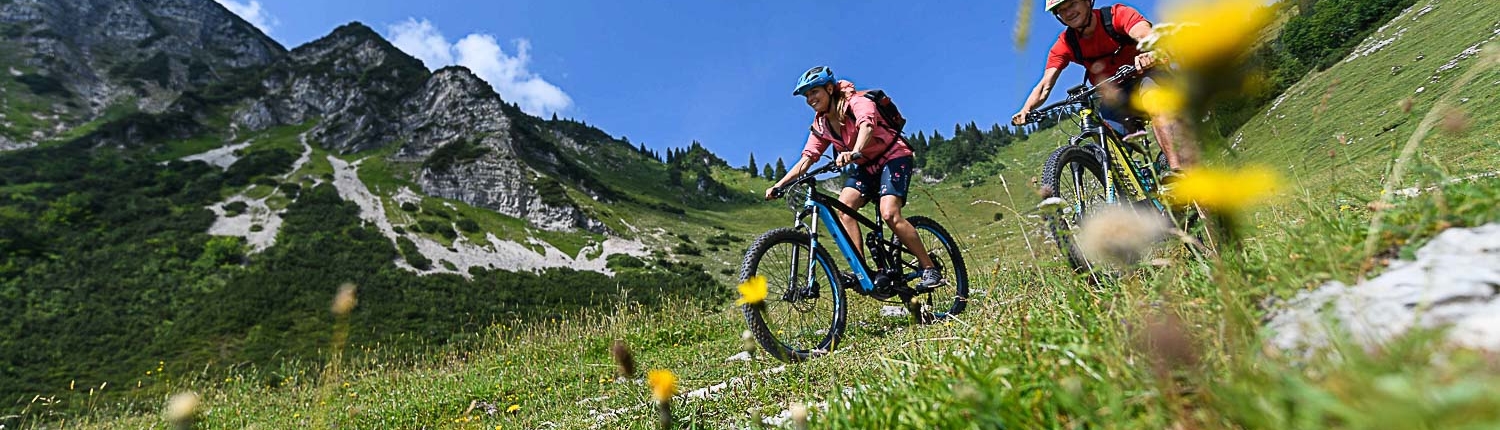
[[777, 192]]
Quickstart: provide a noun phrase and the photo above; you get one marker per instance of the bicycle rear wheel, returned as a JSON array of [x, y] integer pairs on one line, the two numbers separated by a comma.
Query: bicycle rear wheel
[[1074, 176], [804, 312], [950, 299]]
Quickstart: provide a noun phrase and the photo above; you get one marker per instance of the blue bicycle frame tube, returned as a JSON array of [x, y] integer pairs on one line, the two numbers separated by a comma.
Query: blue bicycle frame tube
[[825, 213]]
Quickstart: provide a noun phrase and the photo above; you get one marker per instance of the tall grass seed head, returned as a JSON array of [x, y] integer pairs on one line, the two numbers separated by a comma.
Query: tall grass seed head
[[624, 360], [1167, 342], [182, 407], [344, 301], [752, 291], [1022, 31], [1121, 234], [799, 415], [663, 385]]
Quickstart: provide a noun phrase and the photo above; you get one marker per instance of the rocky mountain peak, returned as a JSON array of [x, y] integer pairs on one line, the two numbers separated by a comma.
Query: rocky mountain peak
[[82, 57]]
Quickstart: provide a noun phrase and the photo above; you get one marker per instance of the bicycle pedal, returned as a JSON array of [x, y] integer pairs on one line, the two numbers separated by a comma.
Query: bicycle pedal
[[930, 288]]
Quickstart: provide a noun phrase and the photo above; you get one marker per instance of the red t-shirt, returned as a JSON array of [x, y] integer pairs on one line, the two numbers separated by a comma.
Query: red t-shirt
[[1099, 45]]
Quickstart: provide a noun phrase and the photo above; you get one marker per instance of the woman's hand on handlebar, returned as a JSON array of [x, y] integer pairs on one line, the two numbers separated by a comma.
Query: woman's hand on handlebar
[[773, 193], [844, 158]]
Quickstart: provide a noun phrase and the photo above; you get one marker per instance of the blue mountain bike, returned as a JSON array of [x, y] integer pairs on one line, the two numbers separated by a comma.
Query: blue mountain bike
[[804, 313]]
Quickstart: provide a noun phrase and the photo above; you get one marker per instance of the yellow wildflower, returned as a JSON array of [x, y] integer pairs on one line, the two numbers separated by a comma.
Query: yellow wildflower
[[512, 409], [752, 291], [1212, 34], [1159, 100], [663, 384], [1224, 190]]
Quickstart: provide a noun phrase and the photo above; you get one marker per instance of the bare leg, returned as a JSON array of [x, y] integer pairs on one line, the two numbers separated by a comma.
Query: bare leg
[[1168, 131], [890, 211], [851, 197]]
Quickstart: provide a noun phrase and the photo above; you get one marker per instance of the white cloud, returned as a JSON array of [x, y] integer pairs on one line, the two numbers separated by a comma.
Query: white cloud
[[251, 12], [480, 53]]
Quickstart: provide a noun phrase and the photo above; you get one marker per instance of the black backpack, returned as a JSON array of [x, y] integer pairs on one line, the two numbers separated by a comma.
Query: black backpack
[[1107, 21], [887, 109]]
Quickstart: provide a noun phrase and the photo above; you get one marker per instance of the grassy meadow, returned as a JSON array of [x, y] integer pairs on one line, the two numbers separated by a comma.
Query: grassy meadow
[[1174, 343]]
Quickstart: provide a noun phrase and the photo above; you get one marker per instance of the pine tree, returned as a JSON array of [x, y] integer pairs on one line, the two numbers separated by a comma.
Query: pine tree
[[750, 168], [768, 173], [780, 168]]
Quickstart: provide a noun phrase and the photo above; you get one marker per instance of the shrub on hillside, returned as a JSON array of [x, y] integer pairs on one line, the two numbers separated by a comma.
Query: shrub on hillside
[[259, 163]]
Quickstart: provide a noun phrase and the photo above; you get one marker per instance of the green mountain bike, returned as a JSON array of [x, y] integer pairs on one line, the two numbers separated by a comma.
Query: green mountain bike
[[804, 312], [1099, 167]]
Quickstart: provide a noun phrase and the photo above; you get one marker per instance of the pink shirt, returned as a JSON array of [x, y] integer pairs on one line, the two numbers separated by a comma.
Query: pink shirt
[[863, 112]]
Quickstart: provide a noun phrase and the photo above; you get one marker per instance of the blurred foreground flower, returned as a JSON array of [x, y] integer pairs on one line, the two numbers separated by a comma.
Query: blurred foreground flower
[[1224, 191], [752, 291], [182, 409], [1211, 35], [624, 360], [344, 301], [663, 386], [1121, 234], [1159, 100], [799, 416], [1022, 31]]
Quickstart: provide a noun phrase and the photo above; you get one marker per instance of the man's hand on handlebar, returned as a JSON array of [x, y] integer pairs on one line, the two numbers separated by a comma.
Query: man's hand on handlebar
[[1145, 61]]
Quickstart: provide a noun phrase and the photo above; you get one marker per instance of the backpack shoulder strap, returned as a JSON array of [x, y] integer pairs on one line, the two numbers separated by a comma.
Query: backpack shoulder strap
[[1071, 38], [1107, 18], [1106, 23]]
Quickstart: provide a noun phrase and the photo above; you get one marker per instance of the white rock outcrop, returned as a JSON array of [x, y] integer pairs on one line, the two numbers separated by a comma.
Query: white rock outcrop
[[1454, 283]]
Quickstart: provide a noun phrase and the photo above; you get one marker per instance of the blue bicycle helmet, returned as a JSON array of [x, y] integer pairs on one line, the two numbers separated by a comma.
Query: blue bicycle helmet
[[813, 77]]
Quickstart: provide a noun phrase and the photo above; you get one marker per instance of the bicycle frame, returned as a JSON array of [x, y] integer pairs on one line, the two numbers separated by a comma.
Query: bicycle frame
[[1113, 156], [823, 208]]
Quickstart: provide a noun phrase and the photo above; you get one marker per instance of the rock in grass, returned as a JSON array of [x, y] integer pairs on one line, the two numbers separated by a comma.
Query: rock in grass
[[1454, 283]]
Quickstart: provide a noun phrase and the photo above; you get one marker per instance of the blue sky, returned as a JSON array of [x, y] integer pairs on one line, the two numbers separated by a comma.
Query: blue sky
[[716, 71]]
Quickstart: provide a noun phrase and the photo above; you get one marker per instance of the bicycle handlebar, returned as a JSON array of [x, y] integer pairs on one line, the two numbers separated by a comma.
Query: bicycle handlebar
[[1036, 115], [778, 192]]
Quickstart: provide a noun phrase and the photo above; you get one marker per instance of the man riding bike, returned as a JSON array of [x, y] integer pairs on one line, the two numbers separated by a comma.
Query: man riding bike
[[1101, 48]]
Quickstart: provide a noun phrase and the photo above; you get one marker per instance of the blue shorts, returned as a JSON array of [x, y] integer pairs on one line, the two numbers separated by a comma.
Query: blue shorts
[[891, 180]]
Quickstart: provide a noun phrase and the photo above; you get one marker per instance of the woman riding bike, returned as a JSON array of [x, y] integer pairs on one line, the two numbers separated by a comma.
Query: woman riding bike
[[856, 130], [1101, 48]]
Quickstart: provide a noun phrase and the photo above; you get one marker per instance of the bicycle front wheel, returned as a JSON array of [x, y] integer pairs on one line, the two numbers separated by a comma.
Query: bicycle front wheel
[[803, 314], [950, 299], [1072, 186]]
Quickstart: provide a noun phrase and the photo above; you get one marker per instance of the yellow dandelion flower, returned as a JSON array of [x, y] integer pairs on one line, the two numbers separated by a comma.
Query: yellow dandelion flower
[[1159, 100], [752, 291], [663, 383], [512, 409], [1224, 190], [1211, 34]]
